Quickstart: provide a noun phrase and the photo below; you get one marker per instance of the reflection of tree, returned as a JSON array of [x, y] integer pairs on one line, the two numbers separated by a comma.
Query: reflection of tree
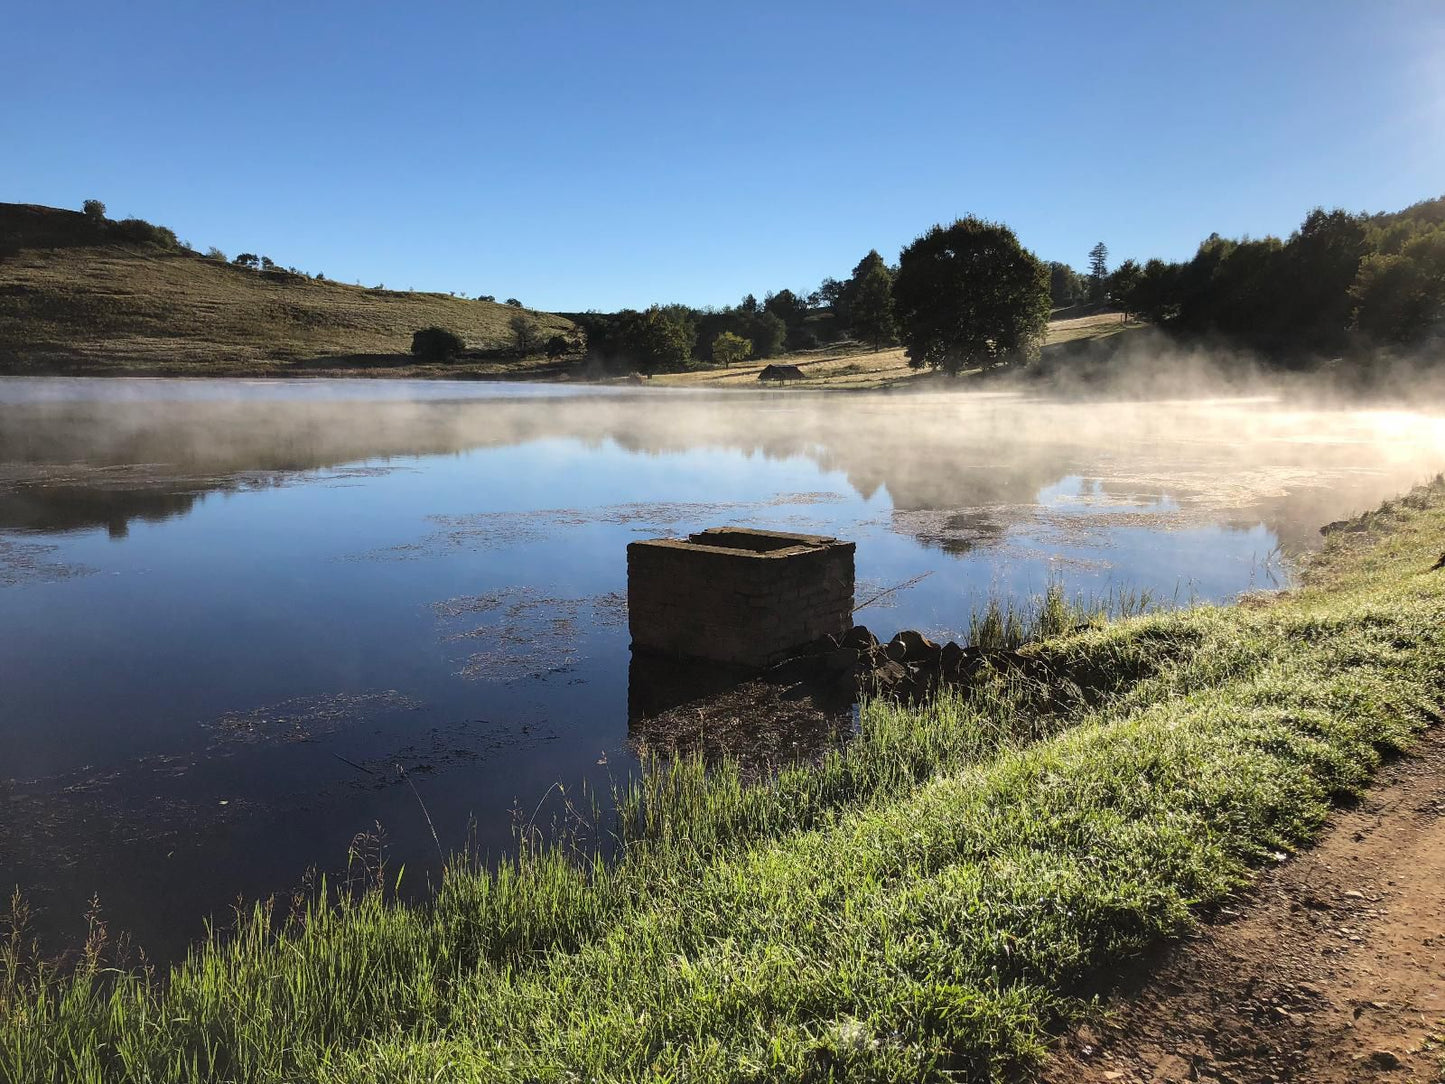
[[72, 465]]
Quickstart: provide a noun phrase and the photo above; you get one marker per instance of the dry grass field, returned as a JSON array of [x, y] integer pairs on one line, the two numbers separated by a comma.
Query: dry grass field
[[855, 367], [124, 308]]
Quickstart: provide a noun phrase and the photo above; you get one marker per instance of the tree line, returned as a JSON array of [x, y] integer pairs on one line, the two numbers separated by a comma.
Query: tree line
[[1340, 284], [963, 295]]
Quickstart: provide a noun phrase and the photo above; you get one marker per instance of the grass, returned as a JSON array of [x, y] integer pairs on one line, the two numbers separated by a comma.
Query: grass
[[103, 310], [925, 904], [857, 368]]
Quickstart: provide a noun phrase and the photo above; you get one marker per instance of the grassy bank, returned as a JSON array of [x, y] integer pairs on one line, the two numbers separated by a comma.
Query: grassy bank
[[931, 898]]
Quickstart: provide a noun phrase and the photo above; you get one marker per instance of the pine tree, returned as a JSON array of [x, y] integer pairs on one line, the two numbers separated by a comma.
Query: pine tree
[[1098, 271]]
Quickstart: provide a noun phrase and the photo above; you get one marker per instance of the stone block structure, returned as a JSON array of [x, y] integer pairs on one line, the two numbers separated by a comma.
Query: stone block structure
[[732, 595]]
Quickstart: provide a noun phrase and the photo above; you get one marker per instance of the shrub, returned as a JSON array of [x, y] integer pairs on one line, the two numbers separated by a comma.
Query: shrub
[[436, 344], [138, 231], [514, 303], [557, 345], [524, 333], [94, 210]]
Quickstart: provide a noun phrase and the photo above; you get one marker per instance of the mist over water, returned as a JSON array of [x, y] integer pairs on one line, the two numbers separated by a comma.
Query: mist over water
[[229, 610]]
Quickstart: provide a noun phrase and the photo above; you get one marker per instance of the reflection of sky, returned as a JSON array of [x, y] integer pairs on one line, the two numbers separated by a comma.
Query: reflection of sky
[[254, 597]]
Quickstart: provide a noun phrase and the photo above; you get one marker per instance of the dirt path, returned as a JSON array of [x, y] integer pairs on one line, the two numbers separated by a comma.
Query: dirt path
[[1332, 968]]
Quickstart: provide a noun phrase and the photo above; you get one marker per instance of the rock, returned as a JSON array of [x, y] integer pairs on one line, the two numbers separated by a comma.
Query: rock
[[858, 638], [920, 648], [914, 647], [950, 658], [1384, 1059], [840, 659]]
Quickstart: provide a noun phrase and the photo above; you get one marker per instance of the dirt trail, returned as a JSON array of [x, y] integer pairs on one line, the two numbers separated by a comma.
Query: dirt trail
[[1332, 968]]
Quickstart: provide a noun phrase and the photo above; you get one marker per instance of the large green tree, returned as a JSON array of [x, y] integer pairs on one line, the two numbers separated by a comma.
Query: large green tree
[[658, 340], [970, 295]]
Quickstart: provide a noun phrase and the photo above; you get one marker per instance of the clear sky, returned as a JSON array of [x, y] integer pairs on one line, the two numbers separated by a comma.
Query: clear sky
[[602, 155]]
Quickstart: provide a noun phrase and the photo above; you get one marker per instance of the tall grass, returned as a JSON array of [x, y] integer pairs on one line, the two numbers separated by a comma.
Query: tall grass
[[922, 905]]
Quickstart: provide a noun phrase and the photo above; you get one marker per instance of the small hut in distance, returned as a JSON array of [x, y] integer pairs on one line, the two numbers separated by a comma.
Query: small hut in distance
[[781, 373]]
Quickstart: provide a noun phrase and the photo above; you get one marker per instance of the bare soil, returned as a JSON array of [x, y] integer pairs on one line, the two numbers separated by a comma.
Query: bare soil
[[1330, 969]]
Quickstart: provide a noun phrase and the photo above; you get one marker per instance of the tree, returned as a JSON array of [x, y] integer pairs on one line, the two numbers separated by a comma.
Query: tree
[[829, 295], [970, 294], [267, 264], [657, 340], [787, 307], [870, 302], [247, 259], [1066, 285], [437, 344], [524, 333], [557, 346], [1322, 260], [1098, 271], [1157, 295], [765, 330], [514, 302], [1400, 298], [728, 348], [1124, 284], [486, 297], [213, 253], [749, 304], [94, 210]]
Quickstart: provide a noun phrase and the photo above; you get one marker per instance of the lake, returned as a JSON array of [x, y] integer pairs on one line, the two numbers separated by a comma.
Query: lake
[[242, 622]]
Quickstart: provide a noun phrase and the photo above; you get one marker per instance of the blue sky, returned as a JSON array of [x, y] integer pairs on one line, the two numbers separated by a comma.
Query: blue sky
[[607, 155]]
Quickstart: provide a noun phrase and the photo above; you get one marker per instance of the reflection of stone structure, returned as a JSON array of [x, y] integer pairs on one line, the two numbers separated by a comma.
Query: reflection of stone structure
[[738, 596]]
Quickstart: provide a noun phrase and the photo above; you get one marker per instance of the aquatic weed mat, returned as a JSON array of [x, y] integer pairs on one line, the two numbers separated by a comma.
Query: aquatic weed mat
[[922, 905]]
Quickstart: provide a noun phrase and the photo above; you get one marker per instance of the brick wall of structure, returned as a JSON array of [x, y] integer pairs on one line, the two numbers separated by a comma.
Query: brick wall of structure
[[738, 596]]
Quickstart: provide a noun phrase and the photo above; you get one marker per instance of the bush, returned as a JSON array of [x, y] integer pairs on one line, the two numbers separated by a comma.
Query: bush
[[514, 302], [557, 345], [137, 231], [94, 210], [437, 344], [524, 333]]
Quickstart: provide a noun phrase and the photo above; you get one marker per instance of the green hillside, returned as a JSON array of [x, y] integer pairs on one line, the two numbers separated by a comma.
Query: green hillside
[[79, 294]]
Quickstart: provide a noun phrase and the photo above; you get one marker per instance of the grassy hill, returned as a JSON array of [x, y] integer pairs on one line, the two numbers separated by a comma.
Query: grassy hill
[[83, 296]]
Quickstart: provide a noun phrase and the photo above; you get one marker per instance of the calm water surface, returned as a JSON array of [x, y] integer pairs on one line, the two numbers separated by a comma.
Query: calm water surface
[[237, 617]]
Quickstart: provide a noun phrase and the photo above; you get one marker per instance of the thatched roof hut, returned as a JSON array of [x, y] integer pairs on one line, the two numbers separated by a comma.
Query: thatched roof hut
[[781, 373]]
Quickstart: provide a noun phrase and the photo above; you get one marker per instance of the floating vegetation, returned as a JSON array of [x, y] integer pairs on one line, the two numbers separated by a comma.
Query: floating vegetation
[[305, 718]]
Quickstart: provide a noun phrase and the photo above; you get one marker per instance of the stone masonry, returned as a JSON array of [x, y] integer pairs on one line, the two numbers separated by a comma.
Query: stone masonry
[[733, 595]]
